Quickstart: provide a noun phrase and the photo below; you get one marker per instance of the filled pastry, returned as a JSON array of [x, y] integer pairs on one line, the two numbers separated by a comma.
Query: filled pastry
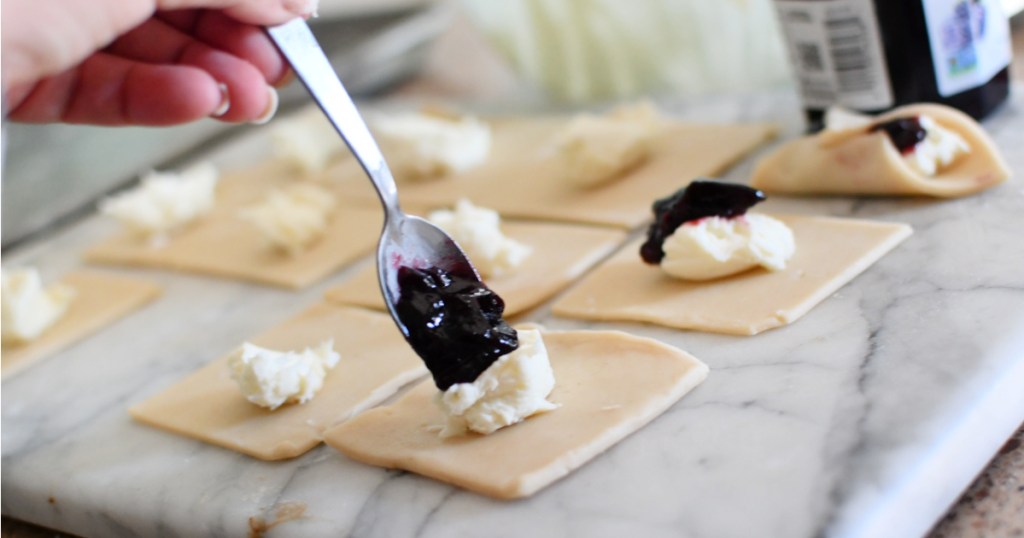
[[916, 149]]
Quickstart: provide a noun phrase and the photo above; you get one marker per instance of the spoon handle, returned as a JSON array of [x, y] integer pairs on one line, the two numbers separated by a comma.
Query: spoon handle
[[298, 45]]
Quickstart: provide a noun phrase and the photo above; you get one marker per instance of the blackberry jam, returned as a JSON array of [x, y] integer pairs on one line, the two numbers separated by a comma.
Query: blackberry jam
[[697, 200], [905, 133], [873, 55], [453, 323]]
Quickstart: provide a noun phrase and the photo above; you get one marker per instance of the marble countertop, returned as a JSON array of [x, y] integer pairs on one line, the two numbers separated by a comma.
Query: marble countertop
[[868, 417]]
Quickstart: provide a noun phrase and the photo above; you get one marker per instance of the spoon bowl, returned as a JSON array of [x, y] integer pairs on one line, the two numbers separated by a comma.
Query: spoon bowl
[[409, 241], [406, 240]]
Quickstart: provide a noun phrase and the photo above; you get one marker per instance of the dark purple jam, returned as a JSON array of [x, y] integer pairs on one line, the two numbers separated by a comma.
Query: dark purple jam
[[453, 323], [698, 200], [905, 133]]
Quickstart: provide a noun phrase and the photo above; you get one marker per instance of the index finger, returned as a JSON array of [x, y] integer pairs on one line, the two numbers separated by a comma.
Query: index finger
[[41, 39]]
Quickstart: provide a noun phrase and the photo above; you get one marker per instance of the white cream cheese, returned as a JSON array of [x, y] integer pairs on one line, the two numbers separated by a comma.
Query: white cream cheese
[[271, 378], [598, 149], [478, 231], [422, 146], [940, 148], [512, 389], [28, 308], [640, 113], [293, 218], [164, 201], [308, 142], [714, 247]]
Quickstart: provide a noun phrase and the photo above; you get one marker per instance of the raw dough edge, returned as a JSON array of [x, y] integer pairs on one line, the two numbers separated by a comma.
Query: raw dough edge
[[76, 325], [692, 372]]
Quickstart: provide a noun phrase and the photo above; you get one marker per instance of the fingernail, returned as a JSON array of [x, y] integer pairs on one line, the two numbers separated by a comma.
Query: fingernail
[[271, 107], [286, 78], [225, 101], [303, 8]]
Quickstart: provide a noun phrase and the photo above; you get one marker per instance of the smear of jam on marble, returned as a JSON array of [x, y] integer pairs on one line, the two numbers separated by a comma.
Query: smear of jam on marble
[[905, 133], [453, 322], [697, 200]]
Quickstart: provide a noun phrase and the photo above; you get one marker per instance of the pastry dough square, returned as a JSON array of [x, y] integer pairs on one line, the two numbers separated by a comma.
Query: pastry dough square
[[608, 383], [100, 300], [561, 253], [829, 253], [208, 406], [523, 175], [222, 244]]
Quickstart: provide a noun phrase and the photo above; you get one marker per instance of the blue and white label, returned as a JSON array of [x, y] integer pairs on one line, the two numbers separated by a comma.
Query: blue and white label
[[970, 42]]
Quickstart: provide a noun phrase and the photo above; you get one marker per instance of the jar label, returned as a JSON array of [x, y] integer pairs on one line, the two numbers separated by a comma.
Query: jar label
[[970, 42], [836, 52]]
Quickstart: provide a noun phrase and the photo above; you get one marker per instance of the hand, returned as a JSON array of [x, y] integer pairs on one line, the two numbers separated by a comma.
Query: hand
[[142, 62]]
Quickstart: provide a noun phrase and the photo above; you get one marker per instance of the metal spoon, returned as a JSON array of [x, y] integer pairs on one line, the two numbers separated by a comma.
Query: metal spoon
[[406, 240]]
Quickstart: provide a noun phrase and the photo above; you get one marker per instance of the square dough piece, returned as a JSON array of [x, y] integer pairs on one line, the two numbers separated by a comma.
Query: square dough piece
[[222, 244], [523, 175], [208, 406], [561, 253], [829, 253], [609, 384], [100, 300]]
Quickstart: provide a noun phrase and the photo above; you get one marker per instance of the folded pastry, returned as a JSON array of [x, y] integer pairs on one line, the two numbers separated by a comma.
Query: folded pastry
[[915, 149]]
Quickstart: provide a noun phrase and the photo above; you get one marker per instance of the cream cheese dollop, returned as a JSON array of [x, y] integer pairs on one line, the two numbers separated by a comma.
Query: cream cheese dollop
[[308, 142], [513, 388], [29, 308], [714, 247], [424, 146], [940, 148], [598, 149], [477, 230], [293, 218], [270, 378], [164, 201]]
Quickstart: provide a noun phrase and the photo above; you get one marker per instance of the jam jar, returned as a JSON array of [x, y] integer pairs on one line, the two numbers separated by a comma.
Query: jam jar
[[873, 55]]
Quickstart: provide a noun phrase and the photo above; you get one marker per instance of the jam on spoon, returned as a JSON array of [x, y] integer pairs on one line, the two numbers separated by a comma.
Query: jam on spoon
[[453, 323], [697, 200], [905, 133], [449, 317]]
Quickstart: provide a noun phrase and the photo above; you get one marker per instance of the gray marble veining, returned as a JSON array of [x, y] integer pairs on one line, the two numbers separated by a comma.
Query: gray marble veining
[[865, 418]]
